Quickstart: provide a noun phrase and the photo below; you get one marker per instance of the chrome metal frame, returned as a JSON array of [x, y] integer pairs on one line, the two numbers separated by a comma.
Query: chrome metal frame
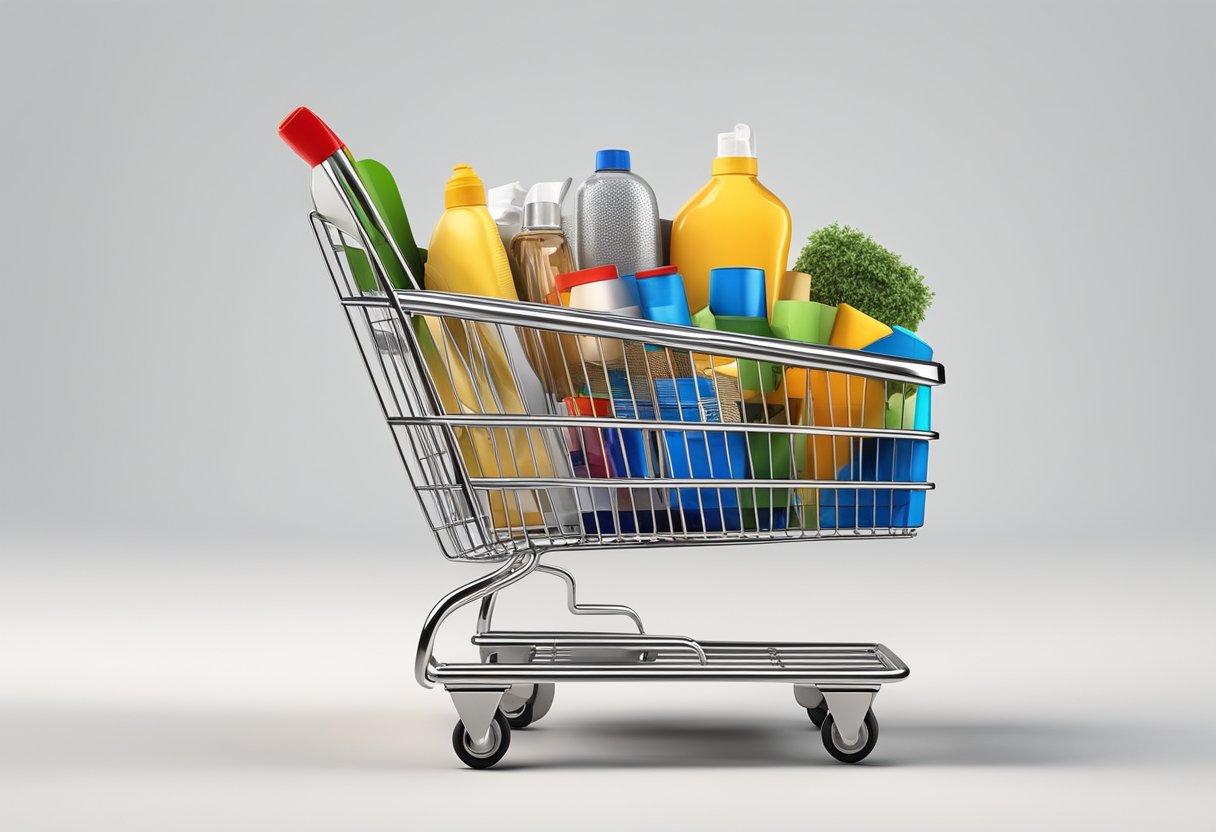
[[479, 512]]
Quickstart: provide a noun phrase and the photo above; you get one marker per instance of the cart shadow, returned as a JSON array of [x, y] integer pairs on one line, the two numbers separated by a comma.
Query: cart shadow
[[684, 743], [390, 740]]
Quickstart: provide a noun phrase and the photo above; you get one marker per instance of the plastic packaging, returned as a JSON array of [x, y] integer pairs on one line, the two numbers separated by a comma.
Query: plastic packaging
[[741, 307], [382, 188], [466, 255], [661, 296], [769, 454], [506, 206], [733, 220], [878, 459], [738, 291], [794, 286], [699, 454], [590, 451], [617, 217], [599, 289], [839, 400]]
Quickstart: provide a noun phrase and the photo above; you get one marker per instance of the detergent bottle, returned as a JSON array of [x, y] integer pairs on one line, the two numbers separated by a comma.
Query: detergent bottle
[[480, 369], [466, 254], [617, 217], [732, 221]]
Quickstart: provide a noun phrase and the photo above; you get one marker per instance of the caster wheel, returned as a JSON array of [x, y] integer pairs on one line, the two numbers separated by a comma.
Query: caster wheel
[[817, 715], [524, 715], [866, 740], [498, 743], [534, 708]]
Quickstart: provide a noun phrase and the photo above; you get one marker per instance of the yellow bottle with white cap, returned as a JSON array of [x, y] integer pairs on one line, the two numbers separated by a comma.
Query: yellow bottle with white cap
[[732, 221], [471, 366]]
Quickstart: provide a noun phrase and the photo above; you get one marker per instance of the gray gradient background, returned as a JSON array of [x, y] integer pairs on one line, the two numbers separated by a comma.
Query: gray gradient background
[[213, 569]]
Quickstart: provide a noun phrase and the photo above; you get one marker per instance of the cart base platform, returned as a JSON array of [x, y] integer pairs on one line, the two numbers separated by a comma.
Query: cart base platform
[[513, 686]]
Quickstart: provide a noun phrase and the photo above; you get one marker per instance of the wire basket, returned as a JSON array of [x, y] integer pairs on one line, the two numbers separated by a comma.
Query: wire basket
[[530, 426]]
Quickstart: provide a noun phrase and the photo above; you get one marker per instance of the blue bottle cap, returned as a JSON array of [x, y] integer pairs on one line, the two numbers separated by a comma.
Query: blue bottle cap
[[612, 159], [738, 291]]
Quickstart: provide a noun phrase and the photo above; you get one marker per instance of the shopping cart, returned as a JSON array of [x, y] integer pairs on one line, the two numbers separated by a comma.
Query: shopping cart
[[528, 429]]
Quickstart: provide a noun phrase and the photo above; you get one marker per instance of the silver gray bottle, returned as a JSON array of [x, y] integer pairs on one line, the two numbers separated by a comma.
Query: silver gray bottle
[[617, 217]]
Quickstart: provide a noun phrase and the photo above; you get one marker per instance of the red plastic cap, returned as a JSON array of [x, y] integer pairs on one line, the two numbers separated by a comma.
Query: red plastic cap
[[659, 272], [309, 136], [566, 282]]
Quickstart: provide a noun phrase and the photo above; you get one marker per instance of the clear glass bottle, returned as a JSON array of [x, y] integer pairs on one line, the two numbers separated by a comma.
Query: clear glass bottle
[[540, 252]]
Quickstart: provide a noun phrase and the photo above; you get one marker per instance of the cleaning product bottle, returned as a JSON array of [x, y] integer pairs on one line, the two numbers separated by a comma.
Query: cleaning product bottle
[[600, 290], [540, 248], [466, 255], [540, 253], [661, 296], [732, 221], [617, 217]]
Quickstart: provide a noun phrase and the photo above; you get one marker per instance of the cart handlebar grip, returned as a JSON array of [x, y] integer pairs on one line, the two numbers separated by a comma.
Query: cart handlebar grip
[[309, 136]]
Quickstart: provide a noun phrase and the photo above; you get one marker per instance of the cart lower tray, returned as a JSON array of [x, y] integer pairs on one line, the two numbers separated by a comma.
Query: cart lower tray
[[537, 657]]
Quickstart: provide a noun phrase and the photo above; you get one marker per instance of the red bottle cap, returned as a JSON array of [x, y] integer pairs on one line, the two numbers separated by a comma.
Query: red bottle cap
[[309, 136], [566, 282], [659, 272]]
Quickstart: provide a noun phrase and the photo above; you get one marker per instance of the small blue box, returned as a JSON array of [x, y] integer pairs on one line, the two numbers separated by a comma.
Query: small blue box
[[717, 454]]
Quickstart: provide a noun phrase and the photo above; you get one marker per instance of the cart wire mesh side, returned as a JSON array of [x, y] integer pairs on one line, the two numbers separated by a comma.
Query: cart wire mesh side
[[532, 426]]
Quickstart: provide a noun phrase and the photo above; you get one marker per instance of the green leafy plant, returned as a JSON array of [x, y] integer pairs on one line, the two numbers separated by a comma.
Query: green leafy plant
[[847, 266]]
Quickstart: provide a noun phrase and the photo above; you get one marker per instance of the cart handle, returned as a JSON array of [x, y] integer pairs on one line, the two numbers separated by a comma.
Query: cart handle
[[709, 341]]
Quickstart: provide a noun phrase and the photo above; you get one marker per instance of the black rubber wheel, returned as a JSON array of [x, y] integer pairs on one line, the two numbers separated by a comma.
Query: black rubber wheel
[[524, 715], [817, 715], [500, 735], [845, 753]]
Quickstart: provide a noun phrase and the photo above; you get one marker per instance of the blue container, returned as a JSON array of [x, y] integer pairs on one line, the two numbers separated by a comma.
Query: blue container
[[739, 292], [892, 460], [699, 454], [878, 460], [661, 296], [632, 522], [631, 282]]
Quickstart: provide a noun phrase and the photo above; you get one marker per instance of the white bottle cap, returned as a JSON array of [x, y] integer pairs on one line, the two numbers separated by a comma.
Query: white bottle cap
[[543, 204], [740, 142]]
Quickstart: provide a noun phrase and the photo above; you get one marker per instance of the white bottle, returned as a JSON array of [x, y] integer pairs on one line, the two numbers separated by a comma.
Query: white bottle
[[617, 217], [600, 290]]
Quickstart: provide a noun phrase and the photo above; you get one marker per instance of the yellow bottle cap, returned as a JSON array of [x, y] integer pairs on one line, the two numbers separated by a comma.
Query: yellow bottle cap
[[464, 188]]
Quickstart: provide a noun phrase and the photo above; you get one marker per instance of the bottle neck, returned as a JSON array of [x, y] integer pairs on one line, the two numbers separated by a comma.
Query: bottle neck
[[745, 165], [538, 215]]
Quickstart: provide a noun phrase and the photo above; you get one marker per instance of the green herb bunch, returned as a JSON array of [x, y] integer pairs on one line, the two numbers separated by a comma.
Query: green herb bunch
[[847, 266]]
